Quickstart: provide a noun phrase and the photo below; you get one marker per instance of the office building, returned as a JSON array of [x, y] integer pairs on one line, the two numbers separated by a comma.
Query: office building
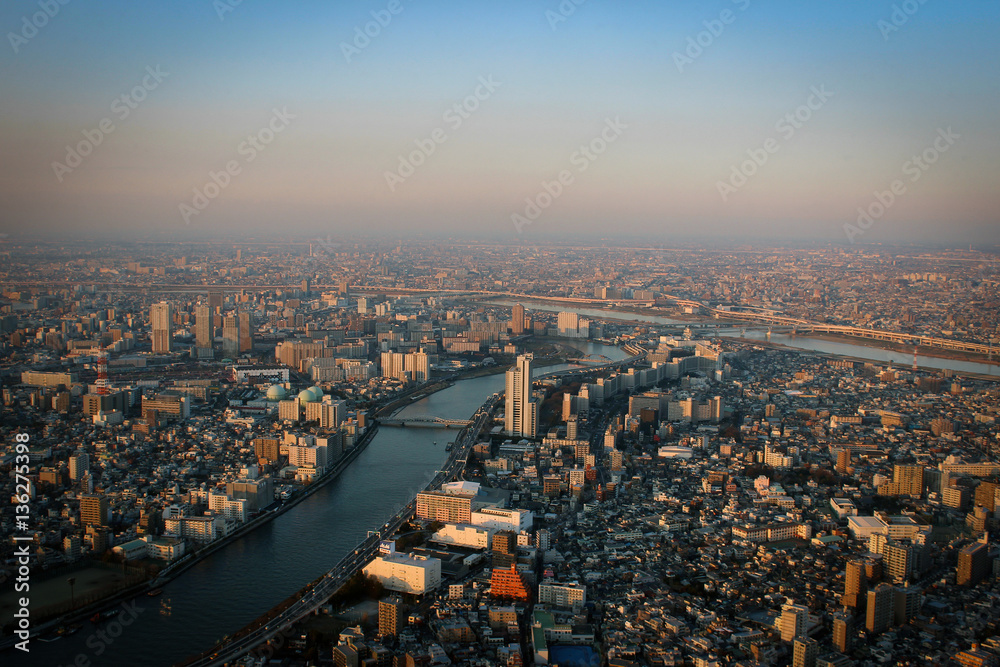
[[406, 573], [161, 318], [521, 410], [880, 610], [94, 510]]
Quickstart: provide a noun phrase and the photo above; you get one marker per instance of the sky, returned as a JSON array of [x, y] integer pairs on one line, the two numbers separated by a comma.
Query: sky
[[848, 121]]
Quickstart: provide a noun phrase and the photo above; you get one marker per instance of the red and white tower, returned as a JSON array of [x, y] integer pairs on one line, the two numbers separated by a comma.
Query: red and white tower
[[103, 386]]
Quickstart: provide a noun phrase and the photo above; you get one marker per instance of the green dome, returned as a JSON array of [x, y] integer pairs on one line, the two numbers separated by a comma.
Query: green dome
[[276, 393]]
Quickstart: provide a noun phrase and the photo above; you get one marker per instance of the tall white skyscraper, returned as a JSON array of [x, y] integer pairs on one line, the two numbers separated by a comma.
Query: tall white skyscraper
[[161, 317], [521, 413]]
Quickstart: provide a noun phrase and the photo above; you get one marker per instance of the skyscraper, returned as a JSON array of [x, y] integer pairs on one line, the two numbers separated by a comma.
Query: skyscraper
[[246, 332], [521, 410], [880, 608], [517, 319], [231, 336], [203, 333], [215, 299], [161, 317]]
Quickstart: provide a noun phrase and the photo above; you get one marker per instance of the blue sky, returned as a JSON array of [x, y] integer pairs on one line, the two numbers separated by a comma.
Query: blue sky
[[670, 173]]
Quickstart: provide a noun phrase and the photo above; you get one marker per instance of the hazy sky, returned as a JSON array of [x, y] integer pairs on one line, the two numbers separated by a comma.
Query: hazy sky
[[667, 120]]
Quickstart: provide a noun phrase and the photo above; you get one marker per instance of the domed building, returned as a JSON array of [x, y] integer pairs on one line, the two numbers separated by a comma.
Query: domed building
[[317, 392], [306, 396], [276, 393]]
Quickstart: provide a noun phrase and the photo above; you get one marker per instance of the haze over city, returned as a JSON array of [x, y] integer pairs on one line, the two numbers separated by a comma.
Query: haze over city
[[697, 88]]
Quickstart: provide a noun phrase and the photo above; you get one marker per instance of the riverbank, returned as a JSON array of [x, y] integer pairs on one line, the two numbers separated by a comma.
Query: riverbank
[[922, 350], [175, 570], [848, 357]]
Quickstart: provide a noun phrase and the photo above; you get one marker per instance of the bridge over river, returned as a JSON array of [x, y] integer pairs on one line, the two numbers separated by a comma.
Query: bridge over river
[[425, 422]]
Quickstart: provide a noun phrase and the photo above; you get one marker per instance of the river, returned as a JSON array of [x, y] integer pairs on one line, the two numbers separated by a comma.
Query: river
[[876, 354], [241, 581]]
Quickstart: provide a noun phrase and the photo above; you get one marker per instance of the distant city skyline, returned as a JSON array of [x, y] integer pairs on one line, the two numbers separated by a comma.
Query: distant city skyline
[[518, 122]]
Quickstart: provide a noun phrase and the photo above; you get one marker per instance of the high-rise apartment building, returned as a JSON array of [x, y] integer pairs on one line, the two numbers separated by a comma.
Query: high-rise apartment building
[[880, 608], [93, 510], [855, 585], [909, 479], [843, 461], [79, 465], [390, 617], [973, 563], [517, 319], [793, 621], [804, 652], [906, 603], [521, 410], [444, 507], [161, 318], [843, 631]]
